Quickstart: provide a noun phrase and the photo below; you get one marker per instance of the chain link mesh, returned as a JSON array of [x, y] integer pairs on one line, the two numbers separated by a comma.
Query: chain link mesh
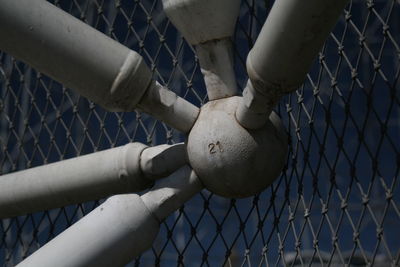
[[337, 201]]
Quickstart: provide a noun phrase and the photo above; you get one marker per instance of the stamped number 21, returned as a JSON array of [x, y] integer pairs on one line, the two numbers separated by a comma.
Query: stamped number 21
[[215, 147]]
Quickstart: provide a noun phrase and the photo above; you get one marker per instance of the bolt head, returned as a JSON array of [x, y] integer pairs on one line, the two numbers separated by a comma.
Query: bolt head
[[230, 160]]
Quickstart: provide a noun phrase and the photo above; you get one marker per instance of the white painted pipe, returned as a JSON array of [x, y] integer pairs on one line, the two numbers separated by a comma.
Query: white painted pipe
[[288, 43], [170, 193], [201, 21], [73, 53], [84, 59], [72, 181], [255, 107], [165, 105], [216, 63], [125, 169], [118, 230], [209, 25], [162, 160]]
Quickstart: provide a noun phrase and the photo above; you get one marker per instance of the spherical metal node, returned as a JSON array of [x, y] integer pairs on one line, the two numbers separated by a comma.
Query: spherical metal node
[[230, 160]]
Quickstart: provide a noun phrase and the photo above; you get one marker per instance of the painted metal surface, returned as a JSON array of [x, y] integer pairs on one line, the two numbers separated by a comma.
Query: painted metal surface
[[289, 41], [110, 235], [120, 229], [216, 63], [200, 21], [162, 160], [168, 107], [86, 60], [209, 25], [72, 52], [86, 178], [230, 160]]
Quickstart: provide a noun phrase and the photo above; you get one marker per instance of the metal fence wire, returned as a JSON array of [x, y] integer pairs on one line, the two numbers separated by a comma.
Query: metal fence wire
[[337, 201]]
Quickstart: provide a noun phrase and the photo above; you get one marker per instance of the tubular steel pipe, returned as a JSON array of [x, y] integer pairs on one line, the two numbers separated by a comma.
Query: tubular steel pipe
[[168, 107], [209, 25], [84, 59], [120, 229], [125, 169], [278, 63], [89, 177], [200, 21], [73, 53], [216, 63]]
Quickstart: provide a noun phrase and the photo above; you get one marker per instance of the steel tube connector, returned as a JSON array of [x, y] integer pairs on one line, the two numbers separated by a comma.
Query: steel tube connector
[[216, 63], [288, 43], [255, 107], [209, 25], [171, 193], [200, 21], [165, 105], [120, 229]]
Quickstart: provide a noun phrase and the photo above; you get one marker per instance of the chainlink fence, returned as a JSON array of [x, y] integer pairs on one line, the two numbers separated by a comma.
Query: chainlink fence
[[337, 201]]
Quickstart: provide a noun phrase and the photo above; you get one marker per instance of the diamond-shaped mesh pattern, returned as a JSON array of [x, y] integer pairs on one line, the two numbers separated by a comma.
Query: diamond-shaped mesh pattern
[[337, 201]]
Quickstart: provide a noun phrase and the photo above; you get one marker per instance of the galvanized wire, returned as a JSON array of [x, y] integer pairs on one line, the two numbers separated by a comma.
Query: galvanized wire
[[337, 201]]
